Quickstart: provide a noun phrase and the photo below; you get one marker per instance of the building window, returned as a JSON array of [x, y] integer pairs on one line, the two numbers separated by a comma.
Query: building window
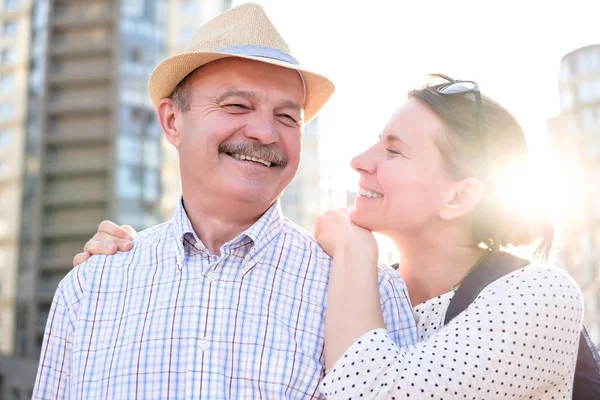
[[135, 55], [132, 8], [185, 35], [8, 56], [188, 8], [129, 182], [582, 62], [594, 57], [129, 150], [5, 139], [151, 186], [595, 87], [584, 92], [11, 5], [152, 153], [587, 119], [565, 71], [7, 82], [7, 112], [9, 28], [566, 100]]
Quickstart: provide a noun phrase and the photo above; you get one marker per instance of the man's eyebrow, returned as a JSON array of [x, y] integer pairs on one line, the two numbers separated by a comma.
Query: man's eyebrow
[[251, 96], [291, 104]]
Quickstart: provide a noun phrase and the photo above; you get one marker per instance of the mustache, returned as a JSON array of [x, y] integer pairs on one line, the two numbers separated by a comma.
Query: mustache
[[255, 150]]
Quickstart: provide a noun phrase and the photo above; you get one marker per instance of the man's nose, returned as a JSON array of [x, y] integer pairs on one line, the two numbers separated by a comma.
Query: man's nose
[[262, 128]]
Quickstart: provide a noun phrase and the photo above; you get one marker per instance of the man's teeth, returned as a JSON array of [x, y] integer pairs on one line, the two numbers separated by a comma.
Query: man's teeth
[[370, 194], [244, 158]]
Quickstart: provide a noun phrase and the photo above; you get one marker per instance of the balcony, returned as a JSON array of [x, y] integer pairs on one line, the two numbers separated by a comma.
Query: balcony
[[46, 290], [81, 46], [81, 104], [81, 14], [77, 167], [62, 263], [85, 230], [92, 134], [75, 198], [96, 74], [40, 323]]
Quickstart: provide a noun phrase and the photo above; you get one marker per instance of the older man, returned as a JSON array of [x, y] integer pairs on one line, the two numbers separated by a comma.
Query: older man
[[227, 299]]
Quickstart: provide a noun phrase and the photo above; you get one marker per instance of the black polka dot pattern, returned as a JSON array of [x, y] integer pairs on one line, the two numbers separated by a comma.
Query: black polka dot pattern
[[517, 340]]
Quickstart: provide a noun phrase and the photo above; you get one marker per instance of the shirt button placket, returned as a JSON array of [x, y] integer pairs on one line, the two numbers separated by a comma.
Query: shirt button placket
[[211, 276]]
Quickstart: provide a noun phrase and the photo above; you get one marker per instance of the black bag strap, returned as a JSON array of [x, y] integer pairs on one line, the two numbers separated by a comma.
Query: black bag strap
[[492, 267], [587, 370]]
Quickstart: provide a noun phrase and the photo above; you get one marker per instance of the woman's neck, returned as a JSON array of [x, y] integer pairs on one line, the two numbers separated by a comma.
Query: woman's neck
[[430, 269]]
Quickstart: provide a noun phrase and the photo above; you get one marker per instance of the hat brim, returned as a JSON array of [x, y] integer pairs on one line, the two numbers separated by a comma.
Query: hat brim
[[169, 73]]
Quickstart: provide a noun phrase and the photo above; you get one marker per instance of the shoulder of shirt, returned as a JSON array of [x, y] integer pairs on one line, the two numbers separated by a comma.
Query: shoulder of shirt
[[389, 276], [301, 238], [73, 285], [538, 277]]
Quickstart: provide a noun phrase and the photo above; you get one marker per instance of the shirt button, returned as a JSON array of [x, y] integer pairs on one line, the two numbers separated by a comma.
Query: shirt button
[[204, 344], [247, 266], [211, 276]]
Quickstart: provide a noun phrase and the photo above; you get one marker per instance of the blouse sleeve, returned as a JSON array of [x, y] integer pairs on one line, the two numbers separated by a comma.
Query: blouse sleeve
[[518, 337]]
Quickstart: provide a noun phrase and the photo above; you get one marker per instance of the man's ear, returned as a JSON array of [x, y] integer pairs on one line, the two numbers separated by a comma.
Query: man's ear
[[465, 195], [167, 116]]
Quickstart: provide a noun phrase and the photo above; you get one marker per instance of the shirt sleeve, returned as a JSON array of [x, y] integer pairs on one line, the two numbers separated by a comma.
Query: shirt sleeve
[[54, 369], [396, 307], [517, 339]]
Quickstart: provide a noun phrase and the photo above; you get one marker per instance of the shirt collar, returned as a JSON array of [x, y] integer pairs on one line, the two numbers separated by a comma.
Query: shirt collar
[[261, 233]]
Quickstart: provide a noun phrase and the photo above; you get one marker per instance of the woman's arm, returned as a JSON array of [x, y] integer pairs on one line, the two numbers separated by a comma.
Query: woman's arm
[[353, 306], [358, 289]]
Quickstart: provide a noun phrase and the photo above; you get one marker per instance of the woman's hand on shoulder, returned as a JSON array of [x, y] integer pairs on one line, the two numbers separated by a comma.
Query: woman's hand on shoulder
[[109, 238]]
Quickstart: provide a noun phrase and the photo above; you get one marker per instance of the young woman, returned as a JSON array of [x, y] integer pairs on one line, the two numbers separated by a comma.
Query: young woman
[[432, 183]]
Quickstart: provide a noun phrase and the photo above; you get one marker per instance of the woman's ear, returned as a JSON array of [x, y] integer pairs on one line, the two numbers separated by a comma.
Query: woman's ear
[[465, 195]]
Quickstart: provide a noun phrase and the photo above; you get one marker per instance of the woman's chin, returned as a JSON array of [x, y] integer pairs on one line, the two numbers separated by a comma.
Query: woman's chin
[[362, 219]]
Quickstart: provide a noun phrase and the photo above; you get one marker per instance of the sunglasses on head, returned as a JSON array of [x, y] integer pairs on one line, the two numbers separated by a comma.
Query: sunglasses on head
[[456, 87]]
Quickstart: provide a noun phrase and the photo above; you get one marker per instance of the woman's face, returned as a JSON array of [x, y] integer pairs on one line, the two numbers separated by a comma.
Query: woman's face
[[403, 186]]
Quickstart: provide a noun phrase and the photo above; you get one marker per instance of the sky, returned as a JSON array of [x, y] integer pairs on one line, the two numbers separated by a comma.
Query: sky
[[376, 50]]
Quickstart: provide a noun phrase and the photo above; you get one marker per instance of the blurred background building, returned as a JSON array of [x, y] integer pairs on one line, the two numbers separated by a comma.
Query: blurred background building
[[575, 136], [311, 190], [79, 143]]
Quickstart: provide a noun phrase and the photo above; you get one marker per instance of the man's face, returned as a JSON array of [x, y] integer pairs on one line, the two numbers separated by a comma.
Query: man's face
[[240, 141]]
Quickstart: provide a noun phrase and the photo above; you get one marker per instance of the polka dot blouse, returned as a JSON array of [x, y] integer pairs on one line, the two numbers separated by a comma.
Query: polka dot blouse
[[517, 340]]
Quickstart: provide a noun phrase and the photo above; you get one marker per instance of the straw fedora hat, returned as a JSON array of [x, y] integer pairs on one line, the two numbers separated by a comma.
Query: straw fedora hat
[[244, 32]]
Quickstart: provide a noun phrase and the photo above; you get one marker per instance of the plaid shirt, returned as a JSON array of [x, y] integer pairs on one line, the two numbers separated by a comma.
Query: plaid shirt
[[171, 320]]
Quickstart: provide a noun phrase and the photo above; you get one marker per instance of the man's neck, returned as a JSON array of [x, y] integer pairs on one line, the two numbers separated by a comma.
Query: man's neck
[[215, 226]]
